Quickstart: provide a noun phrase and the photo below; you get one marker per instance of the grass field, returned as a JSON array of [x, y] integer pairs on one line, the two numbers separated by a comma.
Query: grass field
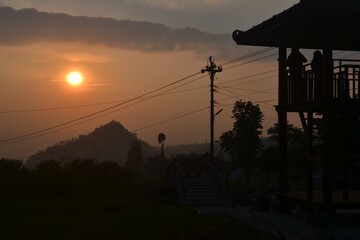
[[67, 205]]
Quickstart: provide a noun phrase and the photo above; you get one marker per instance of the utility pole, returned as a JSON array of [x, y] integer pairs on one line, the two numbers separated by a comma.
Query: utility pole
[[212, 69]]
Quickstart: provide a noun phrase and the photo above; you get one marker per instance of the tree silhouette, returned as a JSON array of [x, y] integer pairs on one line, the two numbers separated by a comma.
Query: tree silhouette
[[243, 141], [292, 132], [10, 166], [135, 159], [49, 166], [161, 140]]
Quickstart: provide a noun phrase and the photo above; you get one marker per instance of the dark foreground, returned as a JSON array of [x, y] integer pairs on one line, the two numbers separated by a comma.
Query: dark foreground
[[102, 204]]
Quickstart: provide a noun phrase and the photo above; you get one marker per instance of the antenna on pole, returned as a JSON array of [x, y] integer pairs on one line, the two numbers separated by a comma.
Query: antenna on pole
[[212, 69]]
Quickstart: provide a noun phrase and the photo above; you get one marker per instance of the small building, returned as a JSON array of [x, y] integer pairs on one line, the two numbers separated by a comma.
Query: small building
[[326, 95]]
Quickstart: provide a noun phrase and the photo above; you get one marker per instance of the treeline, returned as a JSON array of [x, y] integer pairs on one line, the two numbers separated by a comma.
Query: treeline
[[86, 199], [51, 179], [141, 181]]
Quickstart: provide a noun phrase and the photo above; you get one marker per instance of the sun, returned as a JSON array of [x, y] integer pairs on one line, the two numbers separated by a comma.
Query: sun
[[75, 78]]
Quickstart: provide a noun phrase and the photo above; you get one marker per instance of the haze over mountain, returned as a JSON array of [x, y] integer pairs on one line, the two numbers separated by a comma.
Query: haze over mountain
[[110, 142]]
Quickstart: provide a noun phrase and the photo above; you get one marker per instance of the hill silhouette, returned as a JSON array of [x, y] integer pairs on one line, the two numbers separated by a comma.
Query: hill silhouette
[[110, 142]]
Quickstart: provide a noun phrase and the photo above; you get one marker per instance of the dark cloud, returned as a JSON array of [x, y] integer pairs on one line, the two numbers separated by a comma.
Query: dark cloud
[[18, 27]]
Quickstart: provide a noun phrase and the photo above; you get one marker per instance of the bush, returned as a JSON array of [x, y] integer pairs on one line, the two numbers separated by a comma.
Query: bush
[[50, 166], [10, 166]]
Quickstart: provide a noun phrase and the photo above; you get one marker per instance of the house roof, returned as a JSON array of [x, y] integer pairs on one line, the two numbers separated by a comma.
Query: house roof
[[311, 24]]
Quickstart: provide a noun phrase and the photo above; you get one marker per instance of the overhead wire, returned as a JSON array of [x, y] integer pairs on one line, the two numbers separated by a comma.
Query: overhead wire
[[261, 103], [235, 96], [146, 127], [73, 123], [150, 97], [38, 134], [98, 112], [91, 116], [133, 131], [251, 61], [94, 104], [124, 101], [58, 108], [247, 56], [250, 90]]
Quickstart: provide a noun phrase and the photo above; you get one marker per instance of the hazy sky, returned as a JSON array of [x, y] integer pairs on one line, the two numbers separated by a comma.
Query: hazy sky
[[126, 49], [218, 16]]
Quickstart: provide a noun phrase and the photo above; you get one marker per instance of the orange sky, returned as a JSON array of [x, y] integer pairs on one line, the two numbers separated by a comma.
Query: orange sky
[[34, 66], [33, 77]]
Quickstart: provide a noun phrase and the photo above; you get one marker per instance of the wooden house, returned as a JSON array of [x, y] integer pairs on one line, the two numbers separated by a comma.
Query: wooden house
[[327, 96]]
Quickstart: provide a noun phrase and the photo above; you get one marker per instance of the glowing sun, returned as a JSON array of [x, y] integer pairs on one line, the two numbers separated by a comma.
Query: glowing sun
[[75, 78]]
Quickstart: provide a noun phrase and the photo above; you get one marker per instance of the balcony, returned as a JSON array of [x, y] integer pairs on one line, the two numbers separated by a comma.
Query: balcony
[[308, 86]]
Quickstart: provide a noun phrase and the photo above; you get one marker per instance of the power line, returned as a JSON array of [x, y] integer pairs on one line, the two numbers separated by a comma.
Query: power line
[[121, 101], [124, 101], [251, 61], [236, 96], [38, 134], [250, 76], [252, 91], [98, 112], [43, 131], [242, 95], [97, 104], [247, 56], [256, 102], [171, 119], [229, 107], [59, 108], [142, 128]]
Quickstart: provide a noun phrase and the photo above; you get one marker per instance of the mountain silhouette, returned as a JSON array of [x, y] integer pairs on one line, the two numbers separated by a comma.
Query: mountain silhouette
[[110, 142]]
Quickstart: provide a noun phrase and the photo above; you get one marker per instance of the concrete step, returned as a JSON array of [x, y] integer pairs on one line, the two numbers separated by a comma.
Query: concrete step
[[203, 193]]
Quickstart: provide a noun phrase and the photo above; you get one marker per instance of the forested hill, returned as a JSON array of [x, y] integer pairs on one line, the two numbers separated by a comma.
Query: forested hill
[[110, 142]]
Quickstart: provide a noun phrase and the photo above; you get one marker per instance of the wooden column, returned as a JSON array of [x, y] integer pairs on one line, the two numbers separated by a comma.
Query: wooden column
[[345, 155], [282, 122], [327, 139], [310, 154]]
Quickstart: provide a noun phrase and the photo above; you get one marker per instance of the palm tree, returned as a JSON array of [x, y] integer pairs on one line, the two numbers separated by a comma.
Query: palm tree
[[161, 140]]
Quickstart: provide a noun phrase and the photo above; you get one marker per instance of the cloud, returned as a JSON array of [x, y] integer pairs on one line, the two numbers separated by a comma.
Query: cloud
[[100, 84], [27, 26], [176, 5], [216, 16], [86, 57]]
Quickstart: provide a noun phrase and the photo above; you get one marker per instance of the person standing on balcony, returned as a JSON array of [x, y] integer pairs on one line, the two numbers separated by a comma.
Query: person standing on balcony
[[295, 63], [316, 66]]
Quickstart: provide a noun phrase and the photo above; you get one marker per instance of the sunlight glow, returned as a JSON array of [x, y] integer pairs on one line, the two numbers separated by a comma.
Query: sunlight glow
[[75, 78]]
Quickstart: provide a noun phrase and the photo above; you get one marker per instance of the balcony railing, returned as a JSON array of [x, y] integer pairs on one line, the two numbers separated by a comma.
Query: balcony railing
[[307, 86]]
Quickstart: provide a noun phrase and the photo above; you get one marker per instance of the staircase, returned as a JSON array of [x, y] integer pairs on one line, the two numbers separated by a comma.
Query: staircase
[[204, 193], [208, 191]]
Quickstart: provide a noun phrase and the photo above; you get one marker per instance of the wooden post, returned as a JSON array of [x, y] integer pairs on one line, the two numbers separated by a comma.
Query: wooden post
[[282, 122], [310, 153], [345, 155], [327, 160]]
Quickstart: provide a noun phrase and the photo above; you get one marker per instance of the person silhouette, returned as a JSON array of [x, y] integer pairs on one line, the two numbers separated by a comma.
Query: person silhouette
[[316, 67], [295, 63]]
